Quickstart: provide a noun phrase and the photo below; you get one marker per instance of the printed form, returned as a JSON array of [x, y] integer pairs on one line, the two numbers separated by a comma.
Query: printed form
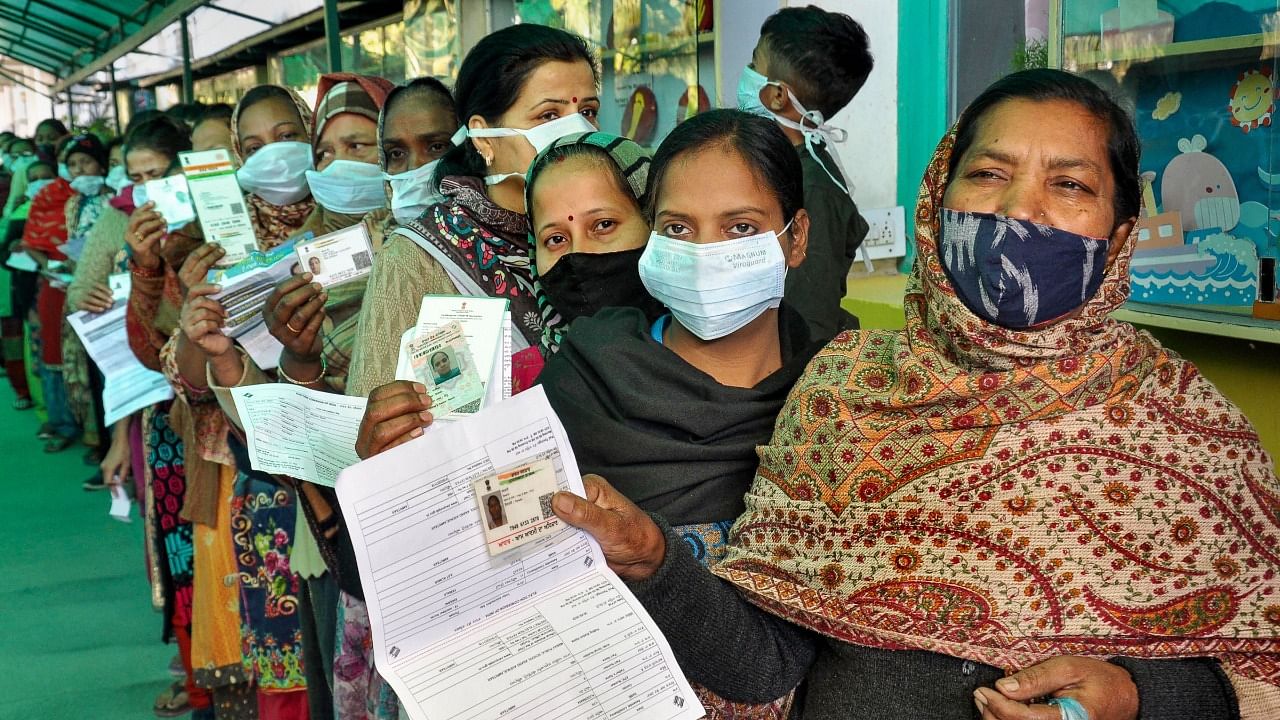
[[128, 385], [545, 630], [296, 431]]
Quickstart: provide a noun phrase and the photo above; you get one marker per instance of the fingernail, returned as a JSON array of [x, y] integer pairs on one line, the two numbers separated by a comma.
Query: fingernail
[[563, 503], [217, 288], [416, 432], [419, 388], [425, 416], [1008, 684], [307, 276], [317, 286], [424, 399]]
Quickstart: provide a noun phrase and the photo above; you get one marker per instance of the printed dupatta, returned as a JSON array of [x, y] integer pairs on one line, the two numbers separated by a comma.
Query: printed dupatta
[[1009, 496]]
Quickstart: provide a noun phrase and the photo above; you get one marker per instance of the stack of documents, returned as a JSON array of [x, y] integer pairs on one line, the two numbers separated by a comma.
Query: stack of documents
[[129, 386], [544, 630]]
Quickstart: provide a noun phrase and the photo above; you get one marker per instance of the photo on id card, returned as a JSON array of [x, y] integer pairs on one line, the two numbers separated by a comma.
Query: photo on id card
[[515, 505], [442, 361], [338, 257]]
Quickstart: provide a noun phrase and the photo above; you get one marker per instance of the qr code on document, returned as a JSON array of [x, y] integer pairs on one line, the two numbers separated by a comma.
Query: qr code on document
[[362, 260], [544, 501]]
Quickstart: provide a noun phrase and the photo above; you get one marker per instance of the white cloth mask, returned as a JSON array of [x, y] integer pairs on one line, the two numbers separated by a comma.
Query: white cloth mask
[[540, 137], [413, 191], [277, 172], [88, 185], [714, 289], [348, 187]]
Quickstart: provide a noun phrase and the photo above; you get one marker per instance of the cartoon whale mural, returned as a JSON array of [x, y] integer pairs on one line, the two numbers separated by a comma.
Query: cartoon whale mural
[[1198, 186]]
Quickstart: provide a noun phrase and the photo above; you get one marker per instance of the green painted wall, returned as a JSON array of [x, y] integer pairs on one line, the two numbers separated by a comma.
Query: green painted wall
[[922, 97]]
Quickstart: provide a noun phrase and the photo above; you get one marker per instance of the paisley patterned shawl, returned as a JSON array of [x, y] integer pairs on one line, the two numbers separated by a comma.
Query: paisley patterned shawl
[[1008, 496]]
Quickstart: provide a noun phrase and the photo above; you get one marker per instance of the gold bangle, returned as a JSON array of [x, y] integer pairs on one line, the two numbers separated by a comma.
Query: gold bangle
[[323, 368]]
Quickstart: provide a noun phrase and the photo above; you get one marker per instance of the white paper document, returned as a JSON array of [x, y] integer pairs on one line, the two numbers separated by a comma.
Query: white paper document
[[295, 431], [218, 202], [545, 630], [20, 260], [121, 505], [129, 385], [486, 323]]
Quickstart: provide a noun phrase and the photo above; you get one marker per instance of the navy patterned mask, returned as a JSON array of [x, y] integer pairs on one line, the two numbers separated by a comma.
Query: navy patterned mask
[[1019, 274]]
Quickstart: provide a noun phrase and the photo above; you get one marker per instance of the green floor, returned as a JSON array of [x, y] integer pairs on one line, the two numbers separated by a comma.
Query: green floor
[[78, 637]]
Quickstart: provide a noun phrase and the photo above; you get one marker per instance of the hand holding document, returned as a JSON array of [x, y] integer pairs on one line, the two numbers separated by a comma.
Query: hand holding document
[[543, 629], [172, 199], [302, 433], [246, 285], [129, 386]]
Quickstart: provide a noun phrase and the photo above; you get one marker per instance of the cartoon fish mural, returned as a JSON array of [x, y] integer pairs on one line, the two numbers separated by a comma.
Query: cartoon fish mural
[[1198, 186], [1252, 100]]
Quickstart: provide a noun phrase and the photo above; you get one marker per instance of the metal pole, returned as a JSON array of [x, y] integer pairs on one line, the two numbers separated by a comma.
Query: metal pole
[[71, 111], [333, 35], [115, 100], [188, 92]]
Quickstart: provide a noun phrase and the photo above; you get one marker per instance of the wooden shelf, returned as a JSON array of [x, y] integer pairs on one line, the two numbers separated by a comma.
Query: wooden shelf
[[1242, 47]]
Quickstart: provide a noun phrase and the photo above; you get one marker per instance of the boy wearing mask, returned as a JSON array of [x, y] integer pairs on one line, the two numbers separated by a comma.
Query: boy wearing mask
[[806, 67]]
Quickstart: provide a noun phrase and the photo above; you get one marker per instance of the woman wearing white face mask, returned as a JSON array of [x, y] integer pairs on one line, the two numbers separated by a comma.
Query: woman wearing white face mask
[[476, 241], [415, 130]]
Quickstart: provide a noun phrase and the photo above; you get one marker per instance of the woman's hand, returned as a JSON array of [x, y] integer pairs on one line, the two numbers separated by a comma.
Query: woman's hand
[[145, 231], [201, 321], [294, 313], [397, 413], [116, 465], [196, 267], [97, 300], [633, 544], [1106, 691]]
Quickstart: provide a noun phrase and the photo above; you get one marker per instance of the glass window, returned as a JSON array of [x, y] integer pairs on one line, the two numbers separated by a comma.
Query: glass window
[[1200, 80], [430, 39], [378, 50]]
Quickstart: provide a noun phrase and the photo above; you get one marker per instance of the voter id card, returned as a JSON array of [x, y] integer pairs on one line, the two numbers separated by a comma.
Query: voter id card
[[515, 505], [172, 199], [338, 257]]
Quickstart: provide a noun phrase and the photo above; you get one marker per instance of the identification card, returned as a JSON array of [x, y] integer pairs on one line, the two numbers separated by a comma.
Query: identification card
[[515, 505], [441, 360], [337, 257], [224, 217], [173, 200]]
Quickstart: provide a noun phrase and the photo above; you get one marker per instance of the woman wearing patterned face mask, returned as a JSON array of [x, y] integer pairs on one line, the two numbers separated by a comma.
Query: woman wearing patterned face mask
[[1015, 508]]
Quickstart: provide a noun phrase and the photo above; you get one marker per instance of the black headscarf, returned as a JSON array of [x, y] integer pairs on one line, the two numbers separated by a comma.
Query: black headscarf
[[665, 434]]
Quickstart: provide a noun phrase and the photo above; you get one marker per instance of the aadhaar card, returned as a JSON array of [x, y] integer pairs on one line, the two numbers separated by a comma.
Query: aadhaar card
[[442, 361], [172, 199], [515, 505], [338, 257]]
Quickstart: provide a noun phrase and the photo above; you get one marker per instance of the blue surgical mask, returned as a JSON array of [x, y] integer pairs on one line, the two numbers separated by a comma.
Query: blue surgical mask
[[277, 172], [63, 172], [117, 179], [35, 186], [413, 191], [812, 124], [88, 185], [1018, 274], [714, 289], [348, 187]]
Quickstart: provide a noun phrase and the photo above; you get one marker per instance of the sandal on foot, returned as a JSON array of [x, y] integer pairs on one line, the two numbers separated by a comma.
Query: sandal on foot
[[23, 404], [173, 702], [58, 444], [46, 432]]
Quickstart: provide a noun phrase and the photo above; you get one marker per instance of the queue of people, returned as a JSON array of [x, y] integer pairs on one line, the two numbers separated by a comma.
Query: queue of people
[[1016, 507]]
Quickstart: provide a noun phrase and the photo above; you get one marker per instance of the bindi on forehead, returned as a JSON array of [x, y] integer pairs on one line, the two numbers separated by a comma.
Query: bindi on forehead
[[570, 218]]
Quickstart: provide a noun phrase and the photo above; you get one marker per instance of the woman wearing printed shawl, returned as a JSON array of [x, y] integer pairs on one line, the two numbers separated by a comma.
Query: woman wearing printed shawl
[[1015, 508]]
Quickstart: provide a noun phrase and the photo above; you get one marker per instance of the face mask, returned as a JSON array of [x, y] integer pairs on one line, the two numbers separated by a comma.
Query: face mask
[[63, 172], [413, 191], [812, 124], [1019, 274], [582, 284], [35, 186], [347, 187], [540, 137], [715, 288], [117, 179], [277, 172], [88, 185]]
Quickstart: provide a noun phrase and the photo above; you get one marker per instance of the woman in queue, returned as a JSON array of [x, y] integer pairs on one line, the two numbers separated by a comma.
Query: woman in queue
[[1015, 508]]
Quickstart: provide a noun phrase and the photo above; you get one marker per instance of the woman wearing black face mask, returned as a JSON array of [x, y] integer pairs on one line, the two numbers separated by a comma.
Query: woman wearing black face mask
[[587, 230]]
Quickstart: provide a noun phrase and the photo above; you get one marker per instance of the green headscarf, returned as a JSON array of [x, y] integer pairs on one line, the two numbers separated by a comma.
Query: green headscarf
[[632, 162]]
